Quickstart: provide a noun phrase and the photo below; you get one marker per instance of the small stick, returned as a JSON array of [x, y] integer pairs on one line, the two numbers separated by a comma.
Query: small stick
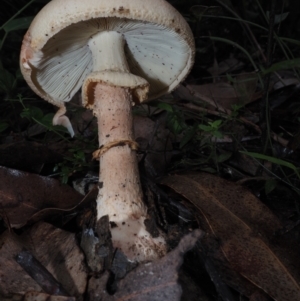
[[40, 274]]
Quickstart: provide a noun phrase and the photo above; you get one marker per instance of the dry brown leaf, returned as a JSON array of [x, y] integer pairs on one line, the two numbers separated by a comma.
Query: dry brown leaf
[[15, 282], [154, 281], [226, 66], [184, 93], [243, 226], [23, 194], [58, 251], [27, 155], [223, 95], [245, 85], [283, 79], [219, 95], [54, 248]]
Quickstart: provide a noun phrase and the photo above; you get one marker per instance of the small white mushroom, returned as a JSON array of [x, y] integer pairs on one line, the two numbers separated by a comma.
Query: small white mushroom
[[119, 52]]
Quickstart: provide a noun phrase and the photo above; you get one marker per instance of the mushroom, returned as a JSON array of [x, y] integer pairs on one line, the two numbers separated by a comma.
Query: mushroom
[[120, 52]]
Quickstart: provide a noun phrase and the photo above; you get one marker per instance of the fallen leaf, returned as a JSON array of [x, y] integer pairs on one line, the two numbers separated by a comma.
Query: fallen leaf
[[55, 249], [15, 282], [27, 155], [153, 281], [39, 273], [224, 95], [243, 226], [58, 251], [23, 194], [226, 66], [245, 85]]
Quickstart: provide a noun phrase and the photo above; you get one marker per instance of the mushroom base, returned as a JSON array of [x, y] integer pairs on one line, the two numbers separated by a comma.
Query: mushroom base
[[120, 194], [136, 242]]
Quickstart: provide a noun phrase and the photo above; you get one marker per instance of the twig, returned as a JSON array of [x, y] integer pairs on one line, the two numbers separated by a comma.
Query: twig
[[40, 274]]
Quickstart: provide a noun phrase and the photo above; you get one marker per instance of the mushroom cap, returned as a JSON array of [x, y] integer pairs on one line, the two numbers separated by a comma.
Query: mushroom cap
[[55, 57]]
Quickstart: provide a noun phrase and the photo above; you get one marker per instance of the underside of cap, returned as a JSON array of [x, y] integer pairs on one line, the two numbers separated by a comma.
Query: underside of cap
[[55, 59]]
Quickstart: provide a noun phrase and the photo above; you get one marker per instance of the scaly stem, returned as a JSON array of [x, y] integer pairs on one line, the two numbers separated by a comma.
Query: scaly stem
[[120, 194]]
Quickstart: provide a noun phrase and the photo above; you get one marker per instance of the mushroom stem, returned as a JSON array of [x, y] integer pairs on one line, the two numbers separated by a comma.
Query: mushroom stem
[[109, 91], [121, 188], [108, 52], [120, 196]]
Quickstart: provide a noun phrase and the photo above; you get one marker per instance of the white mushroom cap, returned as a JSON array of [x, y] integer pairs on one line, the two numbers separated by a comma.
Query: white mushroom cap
[[55, 57]]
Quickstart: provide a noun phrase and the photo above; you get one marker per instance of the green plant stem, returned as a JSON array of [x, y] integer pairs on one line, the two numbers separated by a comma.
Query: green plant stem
[[3, 39], [265, 120], [248, 30], [242, 49], [37, 121], [13, 17], [237, 18], [17, 13], [281, 41]]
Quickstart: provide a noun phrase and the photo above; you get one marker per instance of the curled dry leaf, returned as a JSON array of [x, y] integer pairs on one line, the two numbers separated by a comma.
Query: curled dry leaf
[[244, 226], [228, 65], [54, 248], [154, 281], [15, 282], [62, 257], [23, 194], [223, 95]]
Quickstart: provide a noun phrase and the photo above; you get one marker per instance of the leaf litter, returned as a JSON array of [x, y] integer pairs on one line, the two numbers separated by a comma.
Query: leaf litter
[[154, 281], [244, 228]]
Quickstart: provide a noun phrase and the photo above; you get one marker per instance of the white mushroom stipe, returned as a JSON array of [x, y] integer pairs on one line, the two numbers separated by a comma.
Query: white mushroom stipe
[[115, 59], [120, 196]]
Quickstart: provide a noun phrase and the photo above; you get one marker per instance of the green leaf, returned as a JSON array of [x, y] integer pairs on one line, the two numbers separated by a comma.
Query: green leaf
[[270, 185], [273, 160], [47, 120], [174, 126], [188, 135], [224, 157], [283, 65], [279, 18], [7, 81], [165, 106], [235, 107], [37, 113], [16, 24], [216, 123], [25, 113], [292, 41], [32, 112], [205, 128], [3, 126], [217, 134]]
